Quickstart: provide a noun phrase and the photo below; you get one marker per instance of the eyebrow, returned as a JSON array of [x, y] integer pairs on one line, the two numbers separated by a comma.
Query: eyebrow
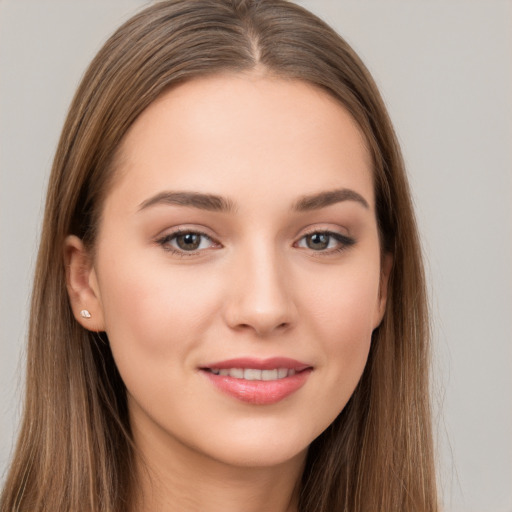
[[208, 202], [216, 203], [328, 198]]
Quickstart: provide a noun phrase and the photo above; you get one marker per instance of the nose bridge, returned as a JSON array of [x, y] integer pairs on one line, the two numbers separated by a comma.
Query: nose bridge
[[261, 295]]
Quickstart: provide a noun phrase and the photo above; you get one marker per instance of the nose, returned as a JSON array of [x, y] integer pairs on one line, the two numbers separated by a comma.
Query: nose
[[261, 297]]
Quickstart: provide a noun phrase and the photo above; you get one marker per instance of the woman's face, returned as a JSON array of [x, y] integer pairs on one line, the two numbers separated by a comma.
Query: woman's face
[[237, 269]]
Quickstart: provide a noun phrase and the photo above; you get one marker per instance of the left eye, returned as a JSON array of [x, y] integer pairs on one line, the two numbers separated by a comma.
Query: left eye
[[324, 240], [187, 241]]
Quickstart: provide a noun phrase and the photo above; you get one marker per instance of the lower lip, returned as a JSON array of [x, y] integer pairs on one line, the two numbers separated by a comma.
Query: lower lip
[[259, 392]]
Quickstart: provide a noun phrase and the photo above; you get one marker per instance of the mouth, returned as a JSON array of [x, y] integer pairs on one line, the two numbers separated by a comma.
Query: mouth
[[253, 373], [258, 382]]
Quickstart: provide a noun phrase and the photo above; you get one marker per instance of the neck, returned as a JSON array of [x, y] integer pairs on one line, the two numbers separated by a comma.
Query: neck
[[175, 477]]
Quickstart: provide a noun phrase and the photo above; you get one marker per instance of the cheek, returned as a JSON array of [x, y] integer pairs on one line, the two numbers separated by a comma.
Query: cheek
[[344, 305], [342, 317], [153, 314]]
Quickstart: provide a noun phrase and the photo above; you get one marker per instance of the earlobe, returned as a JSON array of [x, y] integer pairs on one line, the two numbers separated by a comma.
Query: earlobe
[[385, 272], [82, 285]]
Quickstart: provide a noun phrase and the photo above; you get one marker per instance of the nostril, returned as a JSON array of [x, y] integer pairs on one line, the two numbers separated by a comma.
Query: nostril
[[261, 329], [260, 312]]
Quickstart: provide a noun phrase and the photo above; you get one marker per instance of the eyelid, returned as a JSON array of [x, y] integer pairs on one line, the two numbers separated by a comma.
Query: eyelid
[[345, 241], [164, 239]]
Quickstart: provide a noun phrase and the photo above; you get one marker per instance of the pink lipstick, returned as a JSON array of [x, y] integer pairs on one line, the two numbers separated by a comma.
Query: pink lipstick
[[258, 381]]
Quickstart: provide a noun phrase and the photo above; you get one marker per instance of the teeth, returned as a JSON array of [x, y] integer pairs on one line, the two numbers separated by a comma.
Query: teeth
[[254, 374], [269, 375], [250, 374], [237, 373]]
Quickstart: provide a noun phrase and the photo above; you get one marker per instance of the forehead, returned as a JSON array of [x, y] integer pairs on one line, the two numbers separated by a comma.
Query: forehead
[[239, 134]]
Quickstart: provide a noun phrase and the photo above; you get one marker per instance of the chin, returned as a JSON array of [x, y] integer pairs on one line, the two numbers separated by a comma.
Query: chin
[[260, 446], [260, 456]]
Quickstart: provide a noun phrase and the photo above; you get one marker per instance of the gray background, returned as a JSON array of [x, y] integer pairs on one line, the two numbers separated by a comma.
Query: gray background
[[445, 70]]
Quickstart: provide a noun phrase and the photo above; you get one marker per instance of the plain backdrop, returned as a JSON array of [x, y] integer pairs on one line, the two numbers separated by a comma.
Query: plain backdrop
[[445, 70]]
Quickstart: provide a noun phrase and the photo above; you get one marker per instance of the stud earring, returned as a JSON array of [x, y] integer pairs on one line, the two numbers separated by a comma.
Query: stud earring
[[85, 314]]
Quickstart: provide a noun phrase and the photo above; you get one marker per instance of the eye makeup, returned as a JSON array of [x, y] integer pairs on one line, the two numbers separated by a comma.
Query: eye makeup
[[190, 242]]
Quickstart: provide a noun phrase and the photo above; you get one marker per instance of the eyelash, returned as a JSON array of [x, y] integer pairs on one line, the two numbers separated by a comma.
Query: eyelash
[[345, 242], [166, 239]]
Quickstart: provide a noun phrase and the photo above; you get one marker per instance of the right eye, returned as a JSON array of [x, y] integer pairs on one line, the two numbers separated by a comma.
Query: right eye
[[183, 242]]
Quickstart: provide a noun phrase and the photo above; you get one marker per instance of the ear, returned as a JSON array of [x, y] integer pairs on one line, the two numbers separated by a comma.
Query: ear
[[385, 271], [82, 285]]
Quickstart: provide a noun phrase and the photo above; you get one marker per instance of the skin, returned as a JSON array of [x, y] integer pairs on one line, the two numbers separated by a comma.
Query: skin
[[254, 288]]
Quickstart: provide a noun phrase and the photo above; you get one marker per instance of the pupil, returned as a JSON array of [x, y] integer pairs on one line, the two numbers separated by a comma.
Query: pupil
[[318, 241], [189, 241]]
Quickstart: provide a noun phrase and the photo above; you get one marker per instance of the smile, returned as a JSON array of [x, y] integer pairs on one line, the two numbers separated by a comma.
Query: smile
[[254, 373], [256, 381]]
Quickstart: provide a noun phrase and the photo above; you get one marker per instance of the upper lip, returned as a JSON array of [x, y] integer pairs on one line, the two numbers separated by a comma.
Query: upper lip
[[259, 364]]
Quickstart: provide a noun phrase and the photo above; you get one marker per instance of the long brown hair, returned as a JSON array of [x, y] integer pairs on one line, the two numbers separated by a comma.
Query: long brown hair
[[75, 450]]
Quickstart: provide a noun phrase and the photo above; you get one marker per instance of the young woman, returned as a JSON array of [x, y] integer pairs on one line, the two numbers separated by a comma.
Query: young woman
[[229, 307]]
